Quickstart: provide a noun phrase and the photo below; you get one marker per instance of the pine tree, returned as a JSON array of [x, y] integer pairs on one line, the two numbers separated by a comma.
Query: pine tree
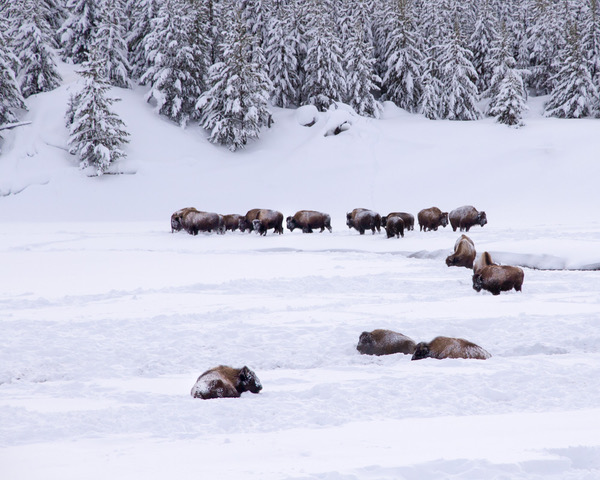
[[175, 74], [481, 42], [96, 132], [10, 94], [236, 107], [591, 38], [574, 94], [37, 69], [142, 14], [79, 30], [110, 41]]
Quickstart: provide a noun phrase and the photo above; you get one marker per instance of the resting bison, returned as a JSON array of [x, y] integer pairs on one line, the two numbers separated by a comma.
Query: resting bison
[[307, 220], [465, 217], [261, 219], [222, 381], [464, 253], [498, 278], [384, 342], [446, 347], [194, 221], [409, 220], [232, 221], [394, 227], [363, 219], [177, 216], [432, 218]]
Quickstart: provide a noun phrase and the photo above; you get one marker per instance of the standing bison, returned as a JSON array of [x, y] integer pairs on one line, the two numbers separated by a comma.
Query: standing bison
[[464, 253], [224, 382], [307, 220], [260, 220], [394, 227], [447, 347], [232, 221], [432, 218], [384, 342], [194, 221], [465, 217], [363, 219], [176, 225], [496, 278], [409, 220]]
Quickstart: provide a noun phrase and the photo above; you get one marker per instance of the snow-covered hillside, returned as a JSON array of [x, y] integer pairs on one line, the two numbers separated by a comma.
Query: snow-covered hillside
[[107, 318]]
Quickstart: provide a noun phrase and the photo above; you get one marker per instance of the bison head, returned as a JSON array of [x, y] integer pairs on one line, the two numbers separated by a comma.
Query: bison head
[[175, 224], [481, 218], [444, 219], [257, 226], [421, 351], [248, 381], [477, 282], [450, 260], [290, 223], [365, 343]]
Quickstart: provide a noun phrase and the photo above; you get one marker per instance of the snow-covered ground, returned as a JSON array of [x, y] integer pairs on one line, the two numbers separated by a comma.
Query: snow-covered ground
[[107, 318]]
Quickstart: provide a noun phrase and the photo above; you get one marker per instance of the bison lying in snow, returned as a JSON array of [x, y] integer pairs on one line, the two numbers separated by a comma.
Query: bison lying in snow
[[447, 347], [464, 253], [432, 218], [409, 220], [496, 278], [232, 221], [394, 227], [465, 217], [176, 225], [194, 221], [261, 219], [384, 342], [363, 219], [307, 220], [222, 381]]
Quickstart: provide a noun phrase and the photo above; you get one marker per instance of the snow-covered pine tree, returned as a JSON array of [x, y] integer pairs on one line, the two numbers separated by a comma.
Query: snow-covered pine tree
[[402, 82], [481, 42], [110, 42], [142, 14], [591, 38], [430, 105], [235, 108], [175, 73], [361, 79], [78, 32], [37, 70], [96, 132], [10, 94], [325, 80], [574, 94], [281, 53], [458, 76], [508, 97]]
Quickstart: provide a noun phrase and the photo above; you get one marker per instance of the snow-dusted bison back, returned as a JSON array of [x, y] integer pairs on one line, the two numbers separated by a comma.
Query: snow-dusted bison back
[[223, 382], [384, 342], [447, 347]]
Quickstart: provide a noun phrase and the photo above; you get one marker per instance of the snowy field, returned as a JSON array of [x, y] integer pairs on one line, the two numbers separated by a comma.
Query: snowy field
[[107, 318]]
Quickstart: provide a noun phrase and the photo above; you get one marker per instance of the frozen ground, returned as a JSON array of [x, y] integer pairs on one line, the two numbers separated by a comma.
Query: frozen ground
[[107, 319]]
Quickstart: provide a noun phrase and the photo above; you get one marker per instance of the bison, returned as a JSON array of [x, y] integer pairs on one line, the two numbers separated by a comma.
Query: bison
[[261, 219], [363, 219], [307, 220], [194, 221], [465, 217], [409, 220], [384, 342], [223, 381], [232, 221], [484, 260], [464, 253], [447, 347], [498, 278], [432, 218], [176, 225], [394, 227]]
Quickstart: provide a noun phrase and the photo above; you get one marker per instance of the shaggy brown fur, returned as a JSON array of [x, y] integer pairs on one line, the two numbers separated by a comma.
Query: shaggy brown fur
[[483, 261], [195, 221], [223, 381], [177, 216], [267, 219], [447, 347], [498, 278], [465, 217], [394, 227], [384, 342], [363, 219], [232, 221], [409, 220], [307, 220], [464, 253], [432, 218]]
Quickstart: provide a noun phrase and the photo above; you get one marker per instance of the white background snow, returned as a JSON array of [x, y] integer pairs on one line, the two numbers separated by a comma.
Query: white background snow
[[107, 318]]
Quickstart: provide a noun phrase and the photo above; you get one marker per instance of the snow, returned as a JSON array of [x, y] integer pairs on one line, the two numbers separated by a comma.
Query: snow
[[107, 318]]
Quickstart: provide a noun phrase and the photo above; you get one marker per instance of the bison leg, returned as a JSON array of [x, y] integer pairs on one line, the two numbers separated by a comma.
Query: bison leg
[[307, 230]]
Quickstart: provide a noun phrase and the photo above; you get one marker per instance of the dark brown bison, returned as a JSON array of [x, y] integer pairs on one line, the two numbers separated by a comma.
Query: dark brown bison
[[363, 219], [222, 381], [447, 347], [432, 218], [232, 221], [307, 220], [409, 220], [195, 221], [261, 219], [246, 220], [394, 227], [464, 253], [483, 260], [384, 342], [498, 278], [465, 217], [177, 216]]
